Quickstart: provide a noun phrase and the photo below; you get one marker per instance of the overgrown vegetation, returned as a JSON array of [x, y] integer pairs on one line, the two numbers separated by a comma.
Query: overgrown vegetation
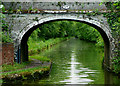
[[35, 45], [4, 34], [54, 32], [114, 22], [25, 71], [14, 67]]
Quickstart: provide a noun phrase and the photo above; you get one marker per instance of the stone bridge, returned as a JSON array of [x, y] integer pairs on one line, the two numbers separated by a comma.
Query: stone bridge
[[24, 17]]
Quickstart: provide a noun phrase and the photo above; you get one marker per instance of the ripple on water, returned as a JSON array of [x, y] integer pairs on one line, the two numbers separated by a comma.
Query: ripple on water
[[77, 81], [79, 76]]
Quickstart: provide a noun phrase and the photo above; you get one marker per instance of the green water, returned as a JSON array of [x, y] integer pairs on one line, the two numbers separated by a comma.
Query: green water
[[77, 62]]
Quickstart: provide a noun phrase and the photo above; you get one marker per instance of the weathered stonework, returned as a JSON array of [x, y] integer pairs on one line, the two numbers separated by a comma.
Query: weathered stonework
[[55, 5], [22, 25]]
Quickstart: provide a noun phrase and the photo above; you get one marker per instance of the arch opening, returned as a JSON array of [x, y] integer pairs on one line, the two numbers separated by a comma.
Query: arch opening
[[24, 46]]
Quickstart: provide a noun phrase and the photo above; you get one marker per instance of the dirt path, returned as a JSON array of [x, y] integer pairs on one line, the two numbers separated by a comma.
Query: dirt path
[[36, 63]]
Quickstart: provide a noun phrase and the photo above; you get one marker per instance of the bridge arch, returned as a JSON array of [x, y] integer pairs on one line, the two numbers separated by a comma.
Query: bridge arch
[[102, 28]]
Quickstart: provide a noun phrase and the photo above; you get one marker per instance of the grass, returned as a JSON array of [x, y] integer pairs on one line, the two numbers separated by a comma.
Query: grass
[[41, 58], [17, 68], [14, 67], [37, 46], [29, 70]]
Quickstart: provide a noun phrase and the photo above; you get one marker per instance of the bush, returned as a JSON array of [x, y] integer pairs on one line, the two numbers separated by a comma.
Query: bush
[[6, 37]]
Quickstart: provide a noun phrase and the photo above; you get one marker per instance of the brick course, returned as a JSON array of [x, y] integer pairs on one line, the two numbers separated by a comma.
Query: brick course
[[7, 53]]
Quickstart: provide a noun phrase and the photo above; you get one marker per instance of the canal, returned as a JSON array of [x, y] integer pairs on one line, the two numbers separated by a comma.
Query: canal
[[77, 62], [74, 62]]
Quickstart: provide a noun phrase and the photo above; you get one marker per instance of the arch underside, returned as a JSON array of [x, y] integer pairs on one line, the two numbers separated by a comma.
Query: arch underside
[[102, 29]]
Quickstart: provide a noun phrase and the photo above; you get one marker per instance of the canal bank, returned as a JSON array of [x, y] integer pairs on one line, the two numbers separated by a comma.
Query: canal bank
[[34, 71], [36, 68]]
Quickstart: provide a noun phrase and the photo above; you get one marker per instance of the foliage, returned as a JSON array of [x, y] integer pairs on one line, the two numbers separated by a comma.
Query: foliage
[[54, 32], [68, 29], [114, 22], [41, 44], [86, 32], [116, 64], [6, 37], [4, 34], [100, 42], [48, 34]]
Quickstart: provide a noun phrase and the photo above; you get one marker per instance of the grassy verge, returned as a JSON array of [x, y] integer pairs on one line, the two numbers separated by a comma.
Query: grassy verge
[[25, 71], [41, 58], [30, 73], [20, 68], [26, 74], [37, 46], [14, 67]]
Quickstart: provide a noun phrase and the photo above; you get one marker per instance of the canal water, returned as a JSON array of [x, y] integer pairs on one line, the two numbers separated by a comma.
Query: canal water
[[77, 62]]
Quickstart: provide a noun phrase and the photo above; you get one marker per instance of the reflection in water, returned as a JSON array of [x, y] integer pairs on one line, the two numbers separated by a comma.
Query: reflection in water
[[75, 77]]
